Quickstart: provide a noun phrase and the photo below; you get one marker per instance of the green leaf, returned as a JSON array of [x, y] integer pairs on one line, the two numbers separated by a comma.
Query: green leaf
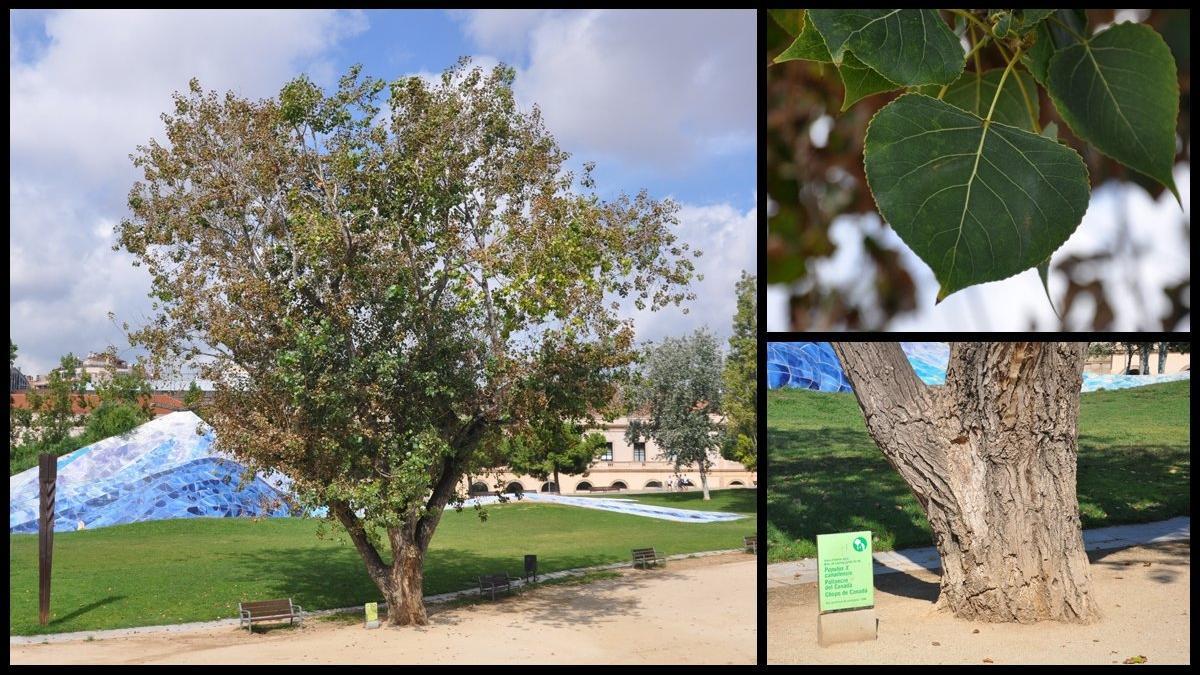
[[1043, 269], [1028, 19], [858, 80], [910, 47], [861, 81], [1052, 36], [808, 46], [977, 201], [974, 92], [790, 20], [1118, 90]]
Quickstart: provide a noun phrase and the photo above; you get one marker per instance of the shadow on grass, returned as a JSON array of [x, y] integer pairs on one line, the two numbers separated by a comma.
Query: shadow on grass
[[1123, 484], [835, 480], [87, 608]]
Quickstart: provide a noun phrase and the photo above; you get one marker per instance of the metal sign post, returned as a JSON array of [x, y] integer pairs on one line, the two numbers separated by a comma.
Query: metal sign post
[[47, 475]]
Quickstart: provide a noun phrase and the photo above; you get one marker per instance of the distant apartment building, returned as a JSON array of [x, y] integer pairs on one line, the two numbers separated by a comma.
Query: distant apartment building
[[623, 466]]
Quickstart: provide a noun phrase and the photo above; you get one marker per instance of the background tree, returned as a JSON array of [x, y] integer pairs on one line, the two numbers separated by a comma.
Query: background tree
[[123, 401], [679, 387], [1162, 357], [377, 296], [1144, 358], [193, 397], [54, 408], [740, 378], [991, 457], [549, 446]]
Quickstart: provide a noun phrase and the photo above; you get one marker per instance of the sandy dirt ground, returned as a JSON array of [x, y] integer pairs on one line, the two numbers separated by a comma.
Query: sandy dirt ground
[[1143, 594], [697, 611]]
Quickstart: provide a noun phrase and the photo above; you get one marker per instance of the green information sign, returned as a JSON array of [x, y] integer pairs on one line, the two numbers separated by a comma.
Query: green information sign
[[845, 571], [372, 611]]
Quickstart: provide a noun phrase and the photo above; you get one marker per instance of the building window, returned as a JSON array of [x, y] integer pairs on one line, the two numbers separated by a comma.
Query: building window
[[607, 456], [639, 452]]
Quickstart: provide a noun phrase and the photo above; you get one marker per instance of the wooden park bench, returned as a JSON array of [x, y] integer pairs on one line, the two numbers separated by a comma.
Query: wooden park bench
[[491, 583], [604, 488], [269, 610], [751, 543], [647, 557]]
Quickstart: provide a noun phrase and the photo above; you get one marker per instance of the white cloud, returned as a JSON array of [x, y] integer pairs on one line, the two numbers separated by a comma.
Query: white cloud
[[727, 238], [658, 88], [79, 104]]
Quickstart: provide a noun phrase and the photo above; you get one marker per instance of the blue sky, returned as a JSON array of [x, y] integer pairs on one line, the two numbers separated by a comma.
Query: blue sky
[[661, 100]]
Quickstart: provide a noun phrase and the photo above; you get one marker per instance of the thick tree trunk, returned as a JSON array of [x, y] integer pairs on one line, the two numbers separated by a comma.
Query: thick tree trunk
[[405, 597], [1144, 358], [991, 457], [704, 481], [1162, 357], [557, 485]]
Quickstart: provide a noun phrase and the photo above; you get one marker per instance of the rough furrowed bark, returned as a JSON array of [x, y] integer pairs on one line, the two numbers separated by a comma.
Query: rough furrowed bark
[[991, 457], [406, 601]]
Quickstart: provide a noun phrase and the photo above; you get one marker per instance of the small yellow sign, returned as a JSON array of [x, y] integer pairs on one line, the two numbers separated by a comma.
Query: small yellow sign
[[372, 611]]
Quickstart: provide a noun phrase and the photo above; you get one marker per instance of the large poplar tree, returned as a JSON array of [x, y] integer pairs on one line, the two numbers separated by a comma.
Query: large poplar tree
[[377, 294]]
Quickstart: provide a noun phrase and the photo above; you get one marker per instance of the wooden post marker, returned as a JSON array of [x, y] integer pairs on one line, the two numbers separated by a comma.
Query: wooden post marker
[[47, 475]]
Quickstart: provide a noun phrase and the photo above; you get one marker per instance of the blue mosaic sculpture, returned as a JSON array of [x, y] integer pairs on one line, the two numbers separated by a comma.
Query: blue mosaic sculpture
[[813, 365], [162, 469]]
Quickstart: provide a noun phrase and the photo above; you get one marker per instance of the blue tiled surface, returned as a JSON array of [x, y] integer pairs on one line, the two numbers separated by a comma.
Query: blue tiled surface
[[813, 365], [163, 469]]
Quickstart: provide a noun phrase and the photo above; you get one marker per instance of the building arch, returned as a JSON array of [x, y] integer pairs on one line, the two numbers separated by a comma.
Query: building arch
[[479, 488], [620, 485], [737, 483], [583, 485], [514, 487], [654, 484], [550, 486]]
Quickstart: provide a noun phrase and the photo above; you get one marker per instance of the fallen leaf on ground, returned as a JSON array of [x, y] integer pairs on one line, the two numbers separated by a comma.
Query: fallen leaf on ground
[[1146, 564], [975, 631], [988, 661], [937, 644], [1135, 659]]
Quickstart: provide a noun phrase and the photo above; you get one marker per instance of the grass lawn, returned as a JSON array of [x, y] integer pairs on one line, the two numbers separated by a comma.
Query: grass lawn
[[175, 571], [825, 474]]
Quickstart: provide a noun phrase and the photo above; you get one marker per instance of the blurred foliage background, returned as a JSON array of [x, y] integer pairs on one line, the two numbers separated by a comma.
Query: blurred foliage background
[[811, 184]]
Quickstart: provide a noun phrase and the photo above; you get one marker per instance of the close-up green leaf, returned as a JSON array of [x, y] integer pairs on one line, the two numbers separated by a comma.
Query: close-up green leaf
[[974, 92], [910, 47], [1119, 91], [977, 201]]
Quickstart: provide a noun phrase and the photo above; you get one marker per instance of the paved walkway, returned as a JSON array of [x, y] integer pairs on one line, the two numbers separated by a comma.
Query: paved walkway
[[804, 571]]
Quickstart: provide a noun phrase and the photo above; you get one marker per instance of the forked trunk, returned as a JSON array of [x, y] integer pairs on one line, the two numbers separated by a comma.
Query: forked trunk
[[405, 599], [991, 457], [704, 481]]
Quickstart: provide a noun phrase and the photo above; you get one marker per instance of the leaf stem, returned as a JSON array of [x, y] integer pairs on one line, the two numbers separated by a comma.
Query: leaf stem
[[971, 17], [1037, 127], [1000, 86]]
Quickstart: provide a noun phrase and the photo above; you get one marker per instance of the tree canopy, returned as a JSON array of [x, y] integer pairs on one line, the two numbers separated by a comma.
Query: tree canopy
[[377, 291]]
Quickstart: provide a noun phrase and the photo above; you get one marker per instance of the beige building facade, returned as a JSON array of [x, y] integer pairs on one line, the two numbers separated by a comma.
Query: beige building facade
[[624, 466], [1115, 363]]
